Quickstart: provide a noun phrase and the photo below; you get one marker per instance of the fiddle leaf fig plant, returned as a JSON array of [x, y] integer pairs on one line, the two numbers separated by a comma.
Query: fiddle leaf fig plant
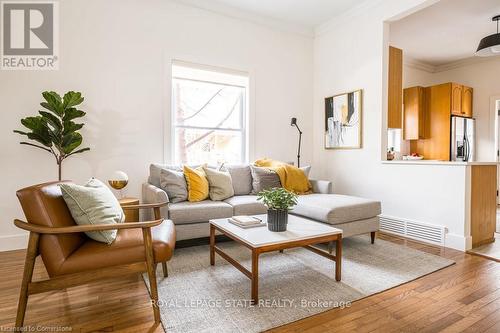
[[55, 130], [277, 198]]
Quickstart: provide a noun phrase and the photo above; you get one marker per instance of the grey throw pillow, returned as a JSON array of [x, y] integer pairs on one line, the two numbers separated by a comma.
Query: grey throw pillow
[[93, 204], [155, 172], [241, 177], [263, 179], [220, 184], [174, 183]]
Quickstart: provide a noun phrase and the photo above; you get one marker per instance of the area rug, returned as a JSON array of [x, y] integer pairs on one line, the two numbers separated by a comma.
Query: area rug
[[298, 283]]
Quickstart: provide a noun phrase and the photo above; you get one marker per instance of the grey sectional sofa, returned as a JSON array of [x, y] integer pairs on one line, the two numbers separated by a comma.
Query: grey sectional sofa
[[353, 215]]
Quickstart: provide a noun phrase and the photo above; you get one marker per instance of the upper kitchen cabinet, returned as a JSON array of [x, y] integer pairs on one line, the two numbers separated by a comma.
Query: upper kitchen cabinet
[[395, 88], [414, 113], [437, 145], [461, 100], [440, 103], [467, 93], [456, 99]]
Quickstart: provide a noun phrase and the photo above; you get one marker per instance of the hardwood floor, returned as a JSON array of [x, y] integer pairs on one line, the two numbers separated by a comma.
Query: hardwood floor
[[490, 251], [461, 298]]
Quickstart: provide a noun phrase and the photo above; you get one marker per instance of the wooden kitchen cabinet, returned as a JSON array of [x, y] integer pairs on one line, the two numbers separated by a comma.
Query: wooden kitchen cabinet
[[456, 99], [395, 88], [461, 100], [441, 101], [467, 93], [483, 204], [437, 146], [414, 113]]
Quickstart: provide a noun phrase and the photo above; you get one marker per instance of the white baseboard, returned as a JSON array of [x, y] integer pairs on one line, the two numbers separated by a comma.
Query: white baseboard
[[13, 242], [458, 242]]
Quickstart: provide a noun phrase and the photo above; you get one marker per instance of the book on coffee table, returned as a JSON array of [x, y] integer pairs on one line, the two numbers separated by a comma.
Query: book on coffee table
[[245, 219], [246, 222]]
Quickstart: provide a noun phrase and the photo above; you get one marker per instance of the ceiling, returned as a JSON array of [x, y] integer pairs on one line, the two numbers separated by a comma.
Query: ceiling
[[446, 32], [307, 14]]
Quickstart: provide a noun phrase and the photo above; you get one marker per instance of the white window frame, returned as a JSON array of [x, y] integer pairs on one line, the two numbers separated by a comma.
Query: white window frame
[[244, 105]]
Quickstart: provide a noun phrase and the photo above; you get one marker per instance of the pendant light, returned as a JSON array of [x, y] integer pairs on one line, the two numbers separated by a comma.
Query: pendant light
[[490, 45]]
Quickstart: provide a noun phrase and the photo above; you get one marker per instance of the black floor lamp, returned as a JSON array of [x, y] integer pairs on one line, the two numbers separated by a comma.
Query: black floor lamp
[[294, 123]]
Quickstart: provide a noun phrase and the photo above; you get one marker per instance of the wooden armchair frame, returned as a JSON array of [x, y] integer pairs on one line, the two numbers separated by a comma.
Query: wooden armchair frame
[[28, 287]]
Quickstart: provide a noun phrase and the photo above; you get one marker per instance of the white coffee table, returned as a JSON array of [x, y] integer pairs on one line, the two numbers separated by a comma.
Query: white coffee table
[[300, 232]]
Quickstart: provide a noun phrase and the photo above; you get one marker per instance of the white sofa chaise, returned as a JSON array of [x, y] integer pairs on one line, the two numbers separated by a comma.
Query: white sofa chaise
[[353, 215]]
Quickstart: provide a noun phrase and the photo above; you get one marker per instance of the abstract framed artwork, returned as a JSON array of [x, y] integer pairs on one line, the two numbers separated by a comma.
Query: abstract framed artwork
[[343, 120]]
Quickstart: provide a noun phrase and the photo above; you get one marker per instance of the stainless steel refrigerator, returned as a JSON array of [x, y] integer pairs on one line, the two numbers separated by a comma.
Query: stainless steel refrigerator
[[462, 139]]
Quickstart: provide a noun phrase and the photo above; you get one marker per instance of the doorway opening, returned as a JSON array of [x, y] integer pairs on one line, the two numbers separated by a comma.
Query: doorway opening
[[492, 250]]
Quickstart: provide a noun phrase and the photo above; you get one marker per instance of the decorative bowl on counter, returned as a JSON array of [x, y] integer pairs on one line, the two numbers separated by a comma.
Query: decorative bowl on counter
[[412, 158]]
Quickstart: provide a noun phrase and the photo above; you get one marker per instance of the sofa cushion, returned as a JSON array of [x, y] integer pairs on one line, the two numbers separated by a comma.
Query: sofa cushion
[[201, 211], [93, 204], [220, 184], [241, 177], [246, 205], [307, 170], [155, 171], [174, 184], [291, 177], [263, 179], [335, 208], [197, 184], [128, 248]]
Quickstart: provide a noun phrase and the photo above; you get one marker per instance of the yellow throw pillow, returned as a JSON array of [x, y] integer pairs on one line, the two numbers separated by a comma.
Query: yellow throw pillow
[[197, 184]]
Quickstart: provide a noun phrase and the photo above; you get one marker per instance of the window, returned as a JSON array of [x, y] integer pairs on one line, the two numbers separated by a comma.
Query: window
[[209, 115], [394, 139]]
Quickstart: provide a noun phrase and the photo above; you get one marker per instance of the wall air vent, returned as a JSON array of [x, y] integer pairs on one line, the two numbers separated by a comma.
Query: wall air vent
[[429, 233]]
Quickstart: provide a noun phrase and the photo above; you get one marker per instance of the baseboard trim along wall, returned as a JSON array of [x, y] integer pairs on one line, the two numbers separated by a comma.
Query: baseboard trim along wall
[[458, 242], [13, 242]]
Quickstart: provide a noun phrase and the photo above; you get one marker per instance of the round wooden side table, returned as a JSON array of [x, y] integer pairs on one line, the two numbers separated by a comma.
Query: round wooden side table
[[131, 215]]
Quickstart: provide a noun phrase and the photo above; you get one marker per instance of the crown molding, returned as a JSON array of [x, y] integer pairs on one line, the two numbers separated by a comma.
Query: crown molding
[[329, 25], [420, 65], [276, 24], [465, 62], [423, 66]]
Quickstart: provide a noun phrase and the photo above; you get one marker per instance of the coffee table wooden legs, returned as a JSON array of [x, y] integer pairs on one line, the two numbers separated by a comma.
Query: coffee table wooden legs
[[255, 276], [212, 245], [338, 258]]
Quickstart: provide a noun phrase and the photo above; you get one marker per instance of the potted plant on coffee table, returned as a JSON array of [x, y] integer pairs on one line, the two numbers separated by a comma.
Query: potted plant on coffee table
[[278, 201]]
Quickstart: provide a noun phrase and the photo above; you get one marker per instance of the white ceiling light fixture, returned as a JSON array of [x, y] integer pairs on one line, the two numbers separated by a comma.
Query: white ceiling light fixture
[[490, 45]]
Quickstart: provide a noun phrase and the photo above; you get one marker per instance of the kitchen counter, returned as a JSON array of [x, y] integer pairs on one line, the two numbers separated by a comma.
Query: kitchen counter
[[436, 162], [476, 204]]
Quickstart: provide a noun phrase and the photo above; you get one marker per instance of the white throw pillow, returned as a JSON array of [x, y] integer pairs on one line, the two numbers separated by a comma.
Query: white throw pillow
[[93, 204]]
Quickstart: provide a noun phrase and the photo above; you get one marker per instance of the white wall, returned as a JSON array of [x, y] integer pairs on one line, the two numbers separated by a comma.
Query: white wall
[[484, 78], [350, 53], [415, 77], [117, 53]]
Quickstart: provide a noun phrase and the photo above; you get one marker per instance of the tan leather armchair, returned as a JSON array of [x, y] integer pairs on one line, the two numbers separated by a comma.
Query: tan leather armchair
[[71, 258]]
